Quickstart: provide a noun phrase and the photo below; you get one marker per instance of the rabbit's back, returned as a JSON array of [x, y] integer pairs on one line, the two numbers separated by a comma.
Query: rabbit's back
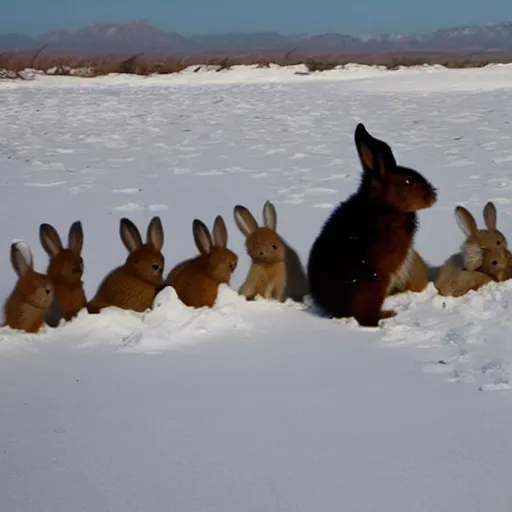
[[194, 286], [122, 289], [176, 272], [454, 281], [411, 276]]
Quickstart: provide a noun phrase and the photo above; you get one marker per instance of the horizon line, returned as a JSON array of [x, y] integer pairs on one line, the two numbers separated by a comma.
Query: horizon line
[[260, 31]]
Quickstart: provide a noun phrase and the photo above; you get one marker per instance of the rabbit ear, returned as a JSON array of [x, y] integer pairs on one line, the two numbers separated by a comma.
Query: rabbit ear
[[76, 237], [490, 215], [130, 235], [155, 233], [220, 233], [21, 257], [244, 220], [466, 221], [270, 215], [375, 155], [202, 237], [50, 239]]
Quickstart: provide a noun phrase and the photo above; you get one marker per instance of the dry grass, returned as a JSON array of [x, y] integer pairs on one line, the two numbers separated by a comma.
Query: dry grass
[[13, 63]]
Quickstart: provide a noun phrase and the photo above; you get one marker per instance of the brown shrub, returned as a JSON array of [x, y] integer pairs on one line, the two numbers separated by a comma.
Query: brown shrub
[[62, 64], [317, 65]]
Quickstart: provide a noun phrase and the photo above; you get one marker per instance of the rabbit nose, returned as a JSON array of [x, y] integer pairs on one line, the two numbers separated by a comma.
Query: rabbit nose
[[47, 291], [261, 253]]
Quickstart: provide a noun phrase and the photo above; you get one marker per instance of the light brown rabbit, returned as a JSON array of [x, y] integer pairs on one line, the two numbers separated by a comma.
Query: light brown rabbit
[[477, 239], [197, 280], [32, 297], [267, 274], [66, 268], [455, 277], [134, 285], [453, 280], [297, 286], [411, 277]]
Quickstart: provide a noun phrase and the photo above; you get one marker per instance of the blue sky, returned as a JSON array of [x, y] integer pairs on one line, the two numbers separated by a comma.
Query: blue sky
[[190, 17]]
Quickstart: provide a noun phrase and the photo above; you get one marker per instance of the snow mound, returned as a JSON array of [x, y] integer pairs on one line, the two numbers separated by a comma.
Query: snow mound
[[169, 325], [467, 337]]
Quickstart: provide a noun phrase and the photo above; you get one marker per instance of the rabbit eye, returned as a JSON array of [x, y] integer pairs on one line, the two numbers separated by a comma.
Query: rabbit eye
[[409, 181], [261, 253], [274, 246], [155, 267], [494, 262], [498, 243]]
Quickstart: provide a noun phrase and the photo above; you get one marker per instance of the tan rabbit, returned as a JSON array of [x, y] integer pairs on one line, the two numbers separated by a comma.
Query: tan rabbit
[[32, 297], [296, 287], [134, 285], [267, 274], [456, 278], [65, 269], [197, 280], [479, 238], [412, 275], [454, 281]]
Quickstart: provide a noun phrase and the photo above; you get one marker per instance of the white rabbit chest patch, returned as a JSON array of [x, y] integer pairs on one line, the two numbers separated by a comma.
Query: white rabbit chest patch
[[401, 276]]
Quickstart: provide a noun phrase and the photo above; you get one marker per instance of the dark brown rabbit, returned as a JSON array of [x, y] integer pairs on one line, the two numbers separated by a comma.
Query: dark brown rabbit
[[65, 269], [367, 238]]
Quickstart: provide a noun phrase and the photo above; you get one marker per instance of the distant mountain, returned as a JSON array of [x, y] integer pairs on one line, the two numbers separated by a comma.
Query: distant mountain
[[330, 43], [143, 37], [15, 41], [242, 42], [136, 37]]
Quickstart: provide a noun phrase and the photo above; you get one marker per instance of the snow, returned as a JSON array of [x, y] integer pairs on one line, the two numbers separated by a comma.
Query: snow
[[253, 405], [374, 78]]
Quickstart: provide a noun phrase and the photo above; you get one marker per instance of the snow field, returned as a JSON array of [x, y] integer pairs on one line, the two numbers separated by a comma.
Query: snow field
[[253, 406], [181, 153]]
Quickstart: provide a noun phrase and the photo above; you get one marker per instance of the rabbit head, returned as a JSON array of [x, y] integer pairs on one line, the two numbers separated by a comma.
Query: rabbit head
[[478, 239], [495, 263], [32, 288], [144, 261], [66, 264], [220, 262], [263, 243], [387, 183]]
